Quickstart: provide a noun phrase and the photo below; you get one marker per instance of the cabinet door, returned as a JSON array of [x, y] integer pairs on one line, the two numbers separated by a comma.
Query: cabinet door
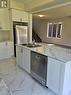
[[18, 15], [6, 50], [10, 49], [53, 74], [3, 50], [26, 59], [4, 19], [19, 53]]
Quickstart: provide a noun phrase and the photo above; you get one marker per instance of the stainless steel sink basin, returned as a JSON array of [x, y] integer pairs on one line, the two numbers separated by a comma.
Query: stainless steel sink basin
[[31, 45]]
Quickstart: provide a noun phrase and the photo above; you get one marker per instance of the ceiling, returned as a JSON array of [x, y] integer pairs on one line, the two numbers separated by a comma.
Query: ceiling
[[59, 12], [24, 1], [50, 8], [30, 5], [39, 5]]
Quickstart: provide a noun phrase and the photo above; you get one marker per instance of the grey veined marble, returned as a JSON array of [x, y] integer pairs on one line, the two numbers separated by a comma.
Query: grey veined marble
[[19, 82]]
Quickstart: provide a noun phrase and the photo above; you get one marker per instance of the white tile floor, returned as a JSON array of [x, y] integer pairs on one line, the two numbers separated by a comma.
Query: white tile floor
[[19, 82]]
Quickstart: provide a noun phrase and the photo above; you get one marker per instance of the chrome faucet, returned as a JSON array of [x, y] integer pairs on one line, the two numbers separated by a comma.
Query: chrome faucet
[[33, 42]]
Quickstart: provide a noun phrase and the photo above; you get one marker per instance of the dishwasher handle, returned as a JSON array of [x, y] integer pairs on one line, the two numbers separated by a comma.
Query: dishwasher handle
[[37, 57]]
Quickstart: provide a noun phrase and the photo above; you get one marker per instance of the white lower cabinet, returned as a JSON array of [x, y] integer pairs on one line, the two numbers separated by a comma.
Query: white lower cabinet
[[19, 55], [3, 50], [53, 74], [6, 50], [58, 72], [26, 59], [10, 49], [23, 58]]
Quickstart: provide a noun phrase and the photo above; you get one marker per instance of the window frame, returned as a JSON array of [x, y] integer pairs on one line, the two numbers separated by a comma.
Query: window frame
[[57, 26]]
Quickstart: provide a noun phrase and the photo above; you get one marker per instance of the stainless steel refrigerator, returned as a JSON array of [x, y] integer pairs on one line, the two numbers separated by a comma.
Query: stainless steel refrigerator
[[20, 32]]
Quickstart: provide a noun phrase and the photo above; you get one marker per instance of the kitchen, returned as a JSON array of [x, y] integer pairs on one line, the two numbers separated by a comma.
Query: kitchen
[[54, 52]]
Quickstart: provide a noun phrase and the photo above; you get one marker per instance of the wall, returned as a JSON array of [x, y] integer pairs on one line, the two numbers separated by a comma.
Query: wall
[[40, 26]]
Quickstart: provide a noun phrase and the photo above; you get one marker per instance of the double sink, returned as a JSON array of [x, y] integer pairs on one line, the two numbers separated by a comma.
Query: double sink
[[30, 45]]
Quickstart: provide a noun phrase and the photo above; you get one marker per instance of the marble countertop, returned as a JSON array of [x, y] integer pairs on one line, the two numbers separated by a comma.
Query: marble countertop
[[57, 52]]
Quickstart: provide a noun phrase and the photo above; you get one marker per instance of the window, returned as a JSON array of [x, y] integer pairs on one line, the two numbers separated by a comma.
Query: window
[[3, 3], [54, 30]]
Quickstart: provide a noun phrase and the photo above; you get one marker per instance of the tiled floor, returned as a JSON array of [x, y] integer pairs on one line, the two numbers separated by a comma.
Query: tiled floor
[[19, 82]]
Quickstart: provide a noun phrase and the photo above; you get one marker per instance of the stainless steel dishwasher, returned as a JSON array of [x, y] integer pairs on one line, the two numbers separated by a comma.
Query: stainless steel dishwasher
[[39, 67]]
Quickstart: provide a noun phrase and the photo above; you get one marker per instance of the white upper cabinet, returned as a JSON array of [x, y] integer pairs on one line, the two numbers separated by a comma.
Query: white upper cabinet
[[4, 19], [19, 15]]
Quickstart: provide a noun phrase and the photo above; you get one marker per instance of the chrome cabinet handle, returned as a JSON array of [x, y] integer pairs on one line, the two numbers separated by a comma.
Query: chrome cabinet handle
[[37, 57]]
